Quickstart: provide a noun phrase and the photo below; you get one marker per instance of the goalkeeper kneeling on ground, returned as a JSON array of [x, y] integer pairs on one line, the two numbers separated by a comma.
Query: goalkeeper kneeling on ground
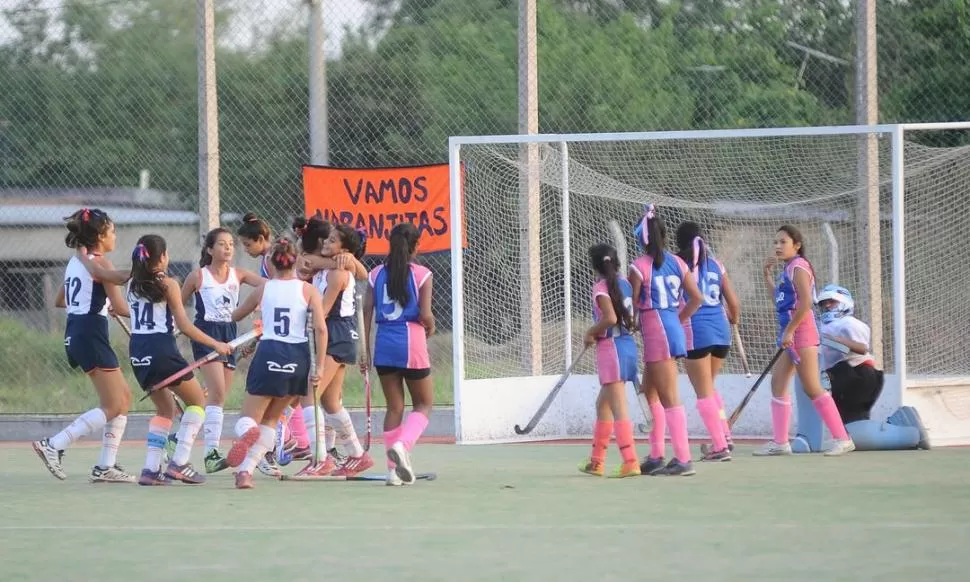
[[856, 383]]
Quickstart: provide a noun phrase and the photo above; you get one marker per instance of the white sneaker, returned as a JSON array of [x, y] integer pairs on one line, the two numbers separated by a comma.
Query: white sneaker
[[393, 480], [115, 474], [51, 457], [840, 447], [773, 449], [399, 455], [267, 466]]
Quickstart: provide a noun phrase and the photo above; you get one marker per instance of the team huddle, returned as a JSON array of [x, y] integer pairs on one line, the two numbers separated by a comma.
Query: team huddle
[[684, 305], [304, 292]]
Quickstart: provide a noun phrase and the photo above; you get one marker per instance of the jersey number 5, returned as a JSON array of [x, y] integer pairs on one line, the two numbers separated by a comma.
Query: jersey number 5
[[281, 319], [396, 309]]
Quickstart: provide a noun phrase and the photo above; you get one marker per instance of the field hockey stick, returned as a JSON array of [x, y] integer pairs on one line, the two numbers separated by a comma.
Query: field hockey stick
[[364, 370], [646, 426], [243, 339], [549, 399], [747, 397], [744, 357], [127, 330], [317, 417], [330, 478]]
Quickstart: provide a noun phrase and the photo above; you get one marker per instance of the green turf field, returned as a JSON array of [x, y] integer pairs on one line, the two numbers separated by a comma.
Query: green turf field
[[517, 512]]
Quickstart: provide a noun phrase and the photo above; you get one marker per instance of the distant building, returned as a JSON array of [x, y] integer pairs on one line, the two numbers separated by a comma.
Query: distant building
[[33, 254]]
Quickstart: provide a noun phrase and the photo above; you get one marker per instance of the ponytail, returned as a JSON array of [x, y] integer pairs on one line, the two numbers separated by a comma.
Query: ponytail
[[605, 262], [403, 243], [651, 234]]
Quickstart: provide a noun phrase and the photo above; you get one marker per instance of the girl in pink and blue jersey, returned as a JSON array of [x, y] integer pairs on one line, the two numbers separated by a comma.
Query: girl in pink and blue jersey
[[401, 291], [659, 279], [616, 362], [794, 293], [708, 334]]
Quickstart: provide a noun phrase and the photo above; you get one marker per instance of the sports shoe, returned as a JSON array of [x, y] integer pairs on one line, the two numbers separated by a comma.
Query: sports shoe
[[185, 473], [631, 469], [402, 459], [337, 456], [240, 448], [773, 449], [244, 480], [354, 465], [839, 448], [393, 480], [215, 462], [707, 448], [301, 454], [114, 474], [267, 466], [51, 457], [592, 467], [716, 456], [649, 466], [677, 469], [152, 478], [321, 469]]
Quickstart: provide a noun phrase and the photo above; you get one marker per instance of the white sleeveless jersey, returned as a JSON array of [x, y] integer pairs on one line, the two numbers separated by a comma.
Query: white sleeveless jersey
[[284, 311], [149, 318], [215, 301], [82, 294], [344, 305]]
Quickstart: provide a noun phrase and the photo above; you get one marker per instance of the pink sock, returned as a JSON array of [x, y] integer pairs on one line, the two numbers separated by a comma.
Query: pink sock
[[298, 427], [722, 415], [830, 416], [411, 430], [677, 420], [710, 414], [780, 417], [390, 437], [657, 432], [601, 439]]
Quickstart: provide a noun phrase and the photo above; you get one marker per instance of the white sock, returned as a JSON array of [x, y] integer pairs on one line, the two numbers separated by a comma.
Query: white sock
[[243, 425], [329, 437], [212, 427], [82, 426], [345, 433], [314, 433], [188, 429], [114, 430], [267, 435]]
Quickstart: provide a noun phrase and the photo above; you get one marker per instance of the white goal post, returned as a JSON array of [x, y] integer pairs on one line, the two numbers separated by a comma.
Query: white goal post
[[529, 206]]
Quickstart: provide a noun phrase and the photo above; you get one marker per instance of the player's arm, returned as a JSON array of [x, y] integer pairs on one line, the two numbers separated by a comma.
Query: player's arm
[[425, 316], [694, 297], [348, 262], [732, 303], [59, 300], [859, 344], [118, 304], [636, 282], [249, 278], [803, 290], [250, 303], [190, 286], [607, 319], [184, 324], [102, 269], [319, 328]]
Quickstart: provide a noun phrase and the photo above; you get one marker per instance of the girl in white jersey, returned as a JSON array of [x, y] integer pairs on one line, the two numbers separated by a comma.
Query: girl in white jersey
[[339, 311], [87, 347], [215, 287], [156, 308], [281, 363]]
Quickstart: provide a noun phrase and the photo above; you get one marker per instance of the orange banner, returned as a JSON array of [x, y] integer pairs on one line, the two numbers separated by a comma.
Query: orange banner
[[376, 199]]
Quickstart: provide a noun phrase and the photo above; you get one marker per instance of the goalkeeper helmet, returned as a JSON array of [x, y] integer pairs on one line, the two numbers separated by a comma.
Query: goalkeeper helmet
[[836, 302]]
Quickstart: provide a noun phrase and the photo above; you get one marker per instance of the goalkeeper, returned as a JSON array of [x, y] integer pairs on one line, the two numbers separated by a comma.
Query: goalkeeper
[[856, 383]]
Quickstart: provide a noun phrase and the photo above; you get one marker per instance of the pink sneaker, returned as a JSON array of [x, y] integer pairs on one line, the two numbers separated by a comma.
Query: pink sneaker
[[318, 469], [240, 448], [354, 465]]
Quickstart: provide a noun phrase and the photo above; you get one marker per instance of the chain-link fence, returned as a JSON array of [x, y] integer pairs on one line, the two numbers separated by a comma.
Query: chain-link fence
[[99, 108]]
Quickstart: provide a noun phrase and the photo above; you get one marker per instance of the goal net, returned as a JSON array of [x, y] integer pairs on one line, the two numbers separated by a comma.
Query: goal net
[[532, 210]]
